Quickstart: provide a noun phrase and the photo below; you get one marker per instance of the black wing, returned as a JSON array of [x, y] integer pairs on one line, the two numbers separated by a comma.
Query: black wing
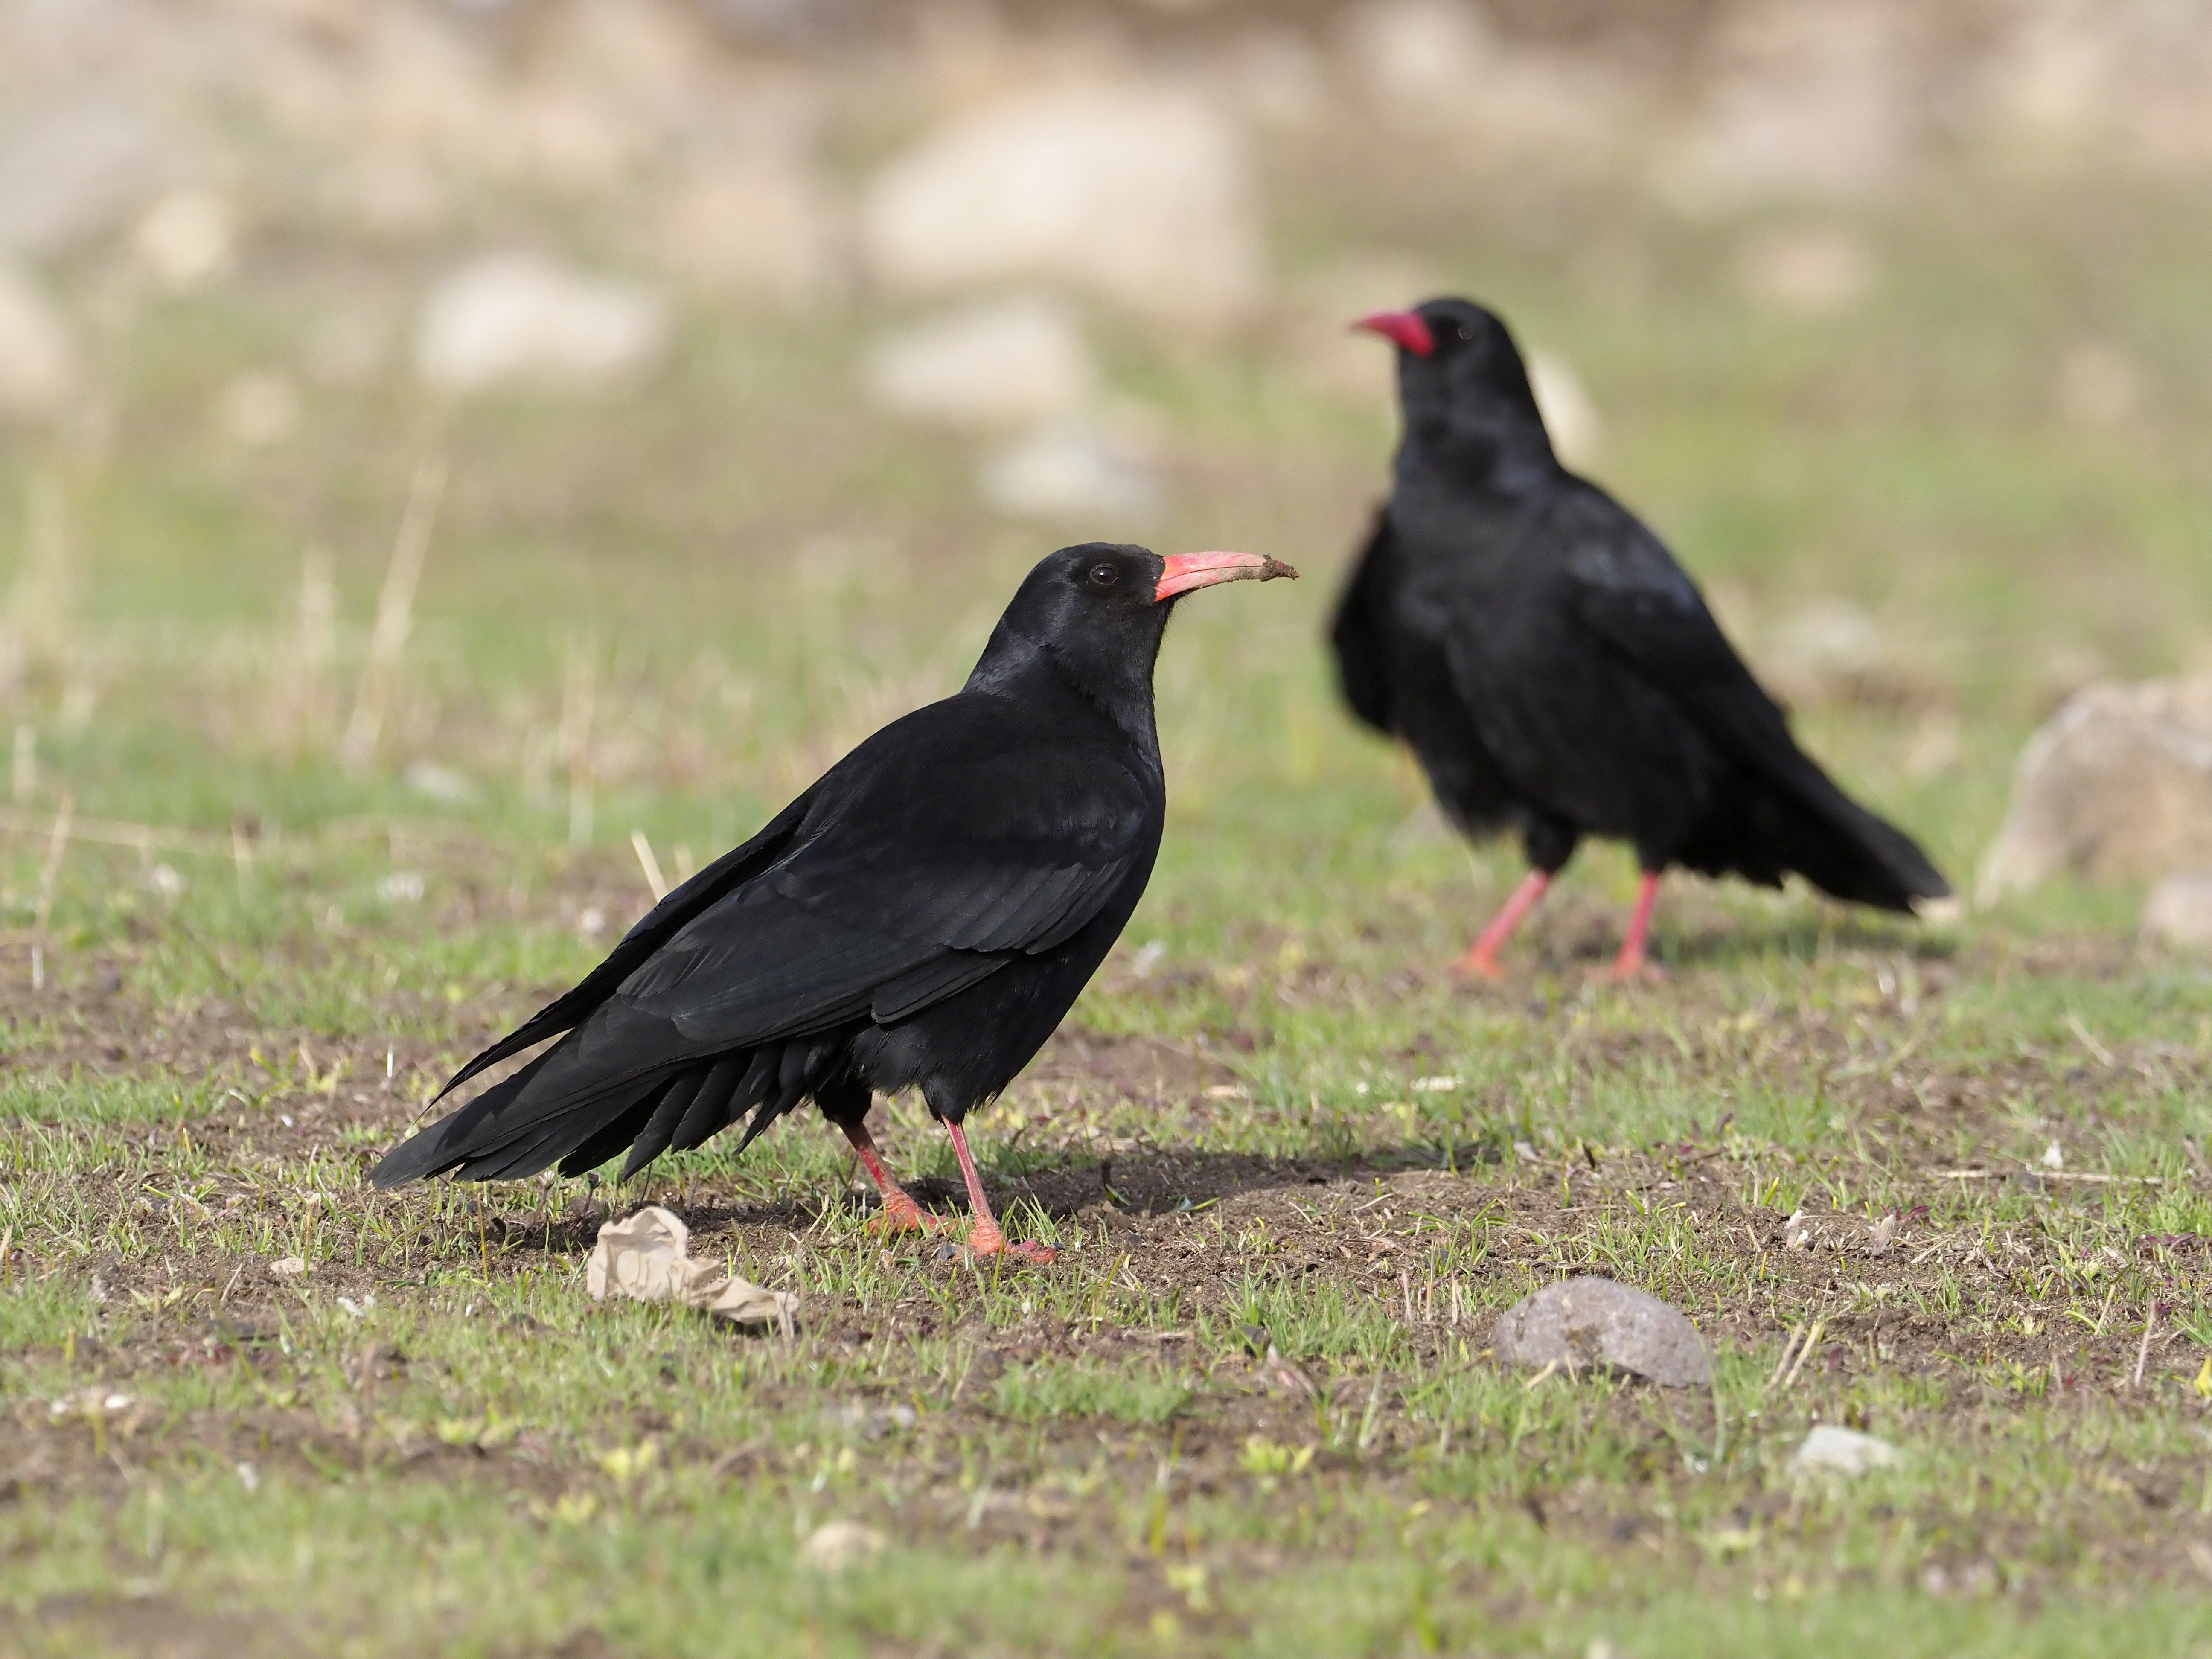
[[1627, 590], [951, 842], [957, 845], [1356, 633]]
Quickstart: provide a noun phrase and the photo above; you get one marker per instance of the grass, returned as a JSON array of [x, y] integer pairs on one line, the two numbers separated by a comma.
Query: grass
[[1296, 1172]]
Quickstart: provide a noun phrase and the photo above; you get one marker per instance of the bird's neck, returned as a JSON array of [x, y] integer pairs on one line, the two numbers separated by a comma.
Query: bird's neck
[[1044, 680], [1488, 455]]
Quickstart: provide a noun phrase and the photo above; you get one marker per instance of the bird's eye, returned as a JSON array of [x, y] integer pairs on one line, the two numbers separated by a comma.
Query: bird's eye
[[1104, 575], [1465, 332]]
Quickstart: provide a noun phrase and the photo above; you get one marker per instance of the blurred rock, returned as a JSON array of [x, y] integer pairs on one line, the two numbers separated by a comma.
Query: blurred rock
[[1808, 100], [1569, 415], [1437, 65], [753, 228], [1070, 471], [838, 1546], [447, 785], [1276, 79], [2178, 912], [1833, 651], [349, 343], [2116, 786], [2075, 85], [515, 317], [998, 363], [1593, 1324], [2098, 385], [1828, 1450], [257, 410], [1816, 270], [39, 376], [1133, 190], [189, 237], [76, 168]]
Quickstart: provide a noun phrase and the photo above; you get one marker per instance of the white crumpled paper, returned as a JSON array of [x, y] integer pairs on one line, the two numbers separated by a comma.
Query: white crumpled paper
[[646, 1258]]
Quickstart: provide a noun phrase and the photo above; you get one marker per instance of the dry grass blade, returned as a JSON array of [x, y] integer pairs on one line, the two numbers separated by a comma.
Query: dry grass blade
[[49, 875], [650, 865], [395, 615]]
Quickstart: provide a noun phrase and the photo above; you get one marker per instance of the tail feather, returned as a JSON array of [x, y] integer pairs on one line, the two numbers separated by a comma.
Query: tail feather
[[709, 1108], [652, 1139], [444, 1145], [577, 1104], [1822, 834], [610, 1137]]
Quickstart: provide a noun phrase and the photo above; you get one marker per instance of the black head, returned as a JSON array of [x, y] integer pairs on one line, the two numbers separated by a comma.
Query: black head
[[1095, 614], [1464, 391]]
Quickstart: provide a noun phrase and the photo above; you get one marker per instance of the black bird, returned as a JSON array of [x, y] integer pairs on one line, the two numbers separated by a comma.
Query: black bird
[[1558, 673], [922, 917]]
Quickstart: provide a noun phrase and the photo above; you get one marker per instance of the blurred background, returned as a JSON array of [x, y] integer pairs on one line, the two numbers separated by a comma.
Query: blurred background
[[554, 418]]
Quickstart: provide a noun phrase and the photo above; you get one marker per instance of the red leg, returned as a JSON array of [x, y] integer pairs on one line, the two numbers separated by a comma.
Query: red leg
[[1481, 958], [984, 1238], [1630, 963], [900, 1214]]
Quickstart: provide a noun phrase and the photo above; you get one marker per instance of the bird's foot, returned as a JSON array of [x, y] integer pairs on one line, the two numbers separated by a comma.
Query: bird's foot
[[901, 1214], [1638, 971], [985, 1239], [1477, 963]]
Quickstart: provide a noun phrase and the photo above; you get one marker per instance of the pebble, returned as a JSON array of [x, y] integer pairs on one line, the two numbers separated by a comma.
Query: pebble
[[1592, 1324], [1832, 1451]]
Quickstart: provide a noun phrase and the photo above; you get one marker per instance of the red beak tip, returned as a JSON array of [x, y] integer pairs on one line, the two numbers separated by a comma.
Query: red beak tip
[[1408, 329]]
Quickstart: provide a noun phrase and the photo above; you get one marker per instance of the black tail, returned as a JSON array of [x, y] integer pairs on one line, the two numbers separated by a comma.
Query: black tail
[[1759, 831], [562, 1109]]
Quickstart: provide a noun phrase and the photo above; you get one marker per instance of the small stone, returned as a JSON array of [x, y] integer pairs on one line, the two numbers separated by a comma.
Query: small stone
[[1001, 362], [258, 410], [838, 1546], [1593, 1323], [515, 317], [1067, 471], [1832, 1451], [189, 237], [2116, 786], [1813, 270], [753, 228], [2098, 385], [2178, 912], [291, 1266], [1133, 190], [445, 784], [39, 367]]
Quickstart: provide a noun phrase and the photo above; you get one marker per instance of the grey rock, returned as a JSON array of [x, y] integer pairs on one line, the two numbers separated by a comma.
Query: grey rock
[[2116, 786], [1004, 362], [2178, 912], [515, 317], [40, 375], [1598, 1324], [1065, 471], [1134, 191], [1831, 1450]]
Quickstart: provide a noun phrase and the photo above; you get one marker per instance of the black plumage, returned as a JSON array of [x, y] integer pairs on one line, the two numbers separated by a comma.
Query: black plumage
[[1558, 674], [922, 917]]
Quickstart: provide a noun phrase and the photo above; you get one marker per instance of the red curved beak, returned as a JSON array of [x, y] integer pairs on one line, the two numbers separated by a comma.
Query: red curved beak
[[1185, 571], [1408, 328]]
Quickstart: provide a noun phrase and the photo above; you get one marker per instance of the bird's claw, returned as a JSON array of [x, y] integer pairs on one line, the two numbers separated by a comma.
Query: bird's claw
[[1640, 972], [901, 1214], [985, 1240], [1476, 965]]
